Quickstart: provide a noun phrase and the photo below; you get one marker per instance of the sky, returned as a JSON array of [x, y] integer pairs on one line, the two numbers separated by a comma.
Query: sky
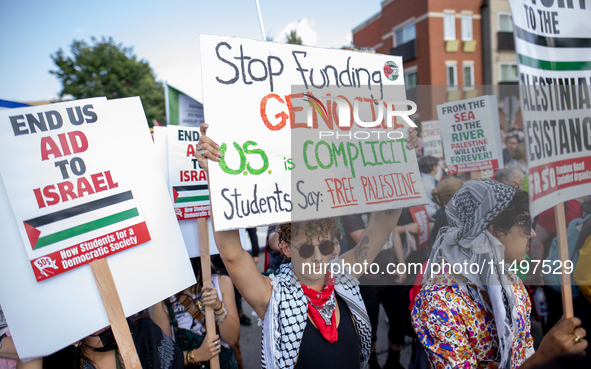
[[164, 33]]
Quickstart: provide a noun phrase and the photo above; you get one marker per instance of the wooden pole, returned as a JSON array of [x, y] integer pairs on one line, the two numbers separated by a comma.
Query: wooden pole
[[567, 296], [476, 175], [214, 363], [106, 285]]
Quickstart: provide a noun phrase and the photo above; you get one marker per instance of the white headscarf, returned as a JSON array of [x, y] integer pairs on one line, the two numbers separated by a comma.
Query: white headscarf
[[469, 213]]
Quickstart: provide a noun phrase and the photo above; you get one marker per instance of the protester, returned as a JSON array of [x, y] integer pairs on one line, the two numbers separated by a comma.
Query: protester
[[519, 158], [154, 348], [511, 141], [442, 194], [510, 176], [297, 295], [183, 316], [468, 319], [428, 166]]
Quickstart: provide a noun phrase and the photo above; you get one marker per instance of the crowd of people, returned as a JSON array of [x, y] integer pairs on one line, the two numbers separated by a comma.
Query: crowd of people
[[497, 317]]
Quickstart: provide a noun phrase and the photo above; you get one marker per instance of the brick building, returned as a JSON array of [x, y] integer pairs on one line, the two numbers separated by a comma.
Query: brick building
[[440, 44]]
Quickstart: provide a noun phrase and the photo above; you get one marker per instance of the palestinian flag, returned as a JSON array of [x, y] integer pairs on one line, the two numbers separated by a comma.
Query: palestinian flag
[[190, 193], [64, 224]]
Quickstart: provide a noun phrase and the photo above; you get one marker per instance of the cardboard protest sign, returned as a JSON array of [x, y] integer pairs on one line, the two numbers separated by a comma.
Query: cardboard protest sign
[[181, 109], [471, 134], [71, 304], [75, 201], [419, 216], [553, 50], [306, 133], [432, 139]]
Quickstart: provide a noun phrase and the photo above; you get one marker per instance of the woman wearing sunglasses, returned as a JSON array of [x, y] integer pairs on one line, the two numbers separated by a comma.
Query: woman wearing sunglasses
[[478, 316], [312, 319]]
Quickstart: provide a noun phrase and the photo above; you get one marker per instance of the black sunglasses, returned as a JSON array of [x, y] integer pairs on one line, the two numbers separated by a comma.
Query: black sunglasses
[[306, 250], [525, 223]]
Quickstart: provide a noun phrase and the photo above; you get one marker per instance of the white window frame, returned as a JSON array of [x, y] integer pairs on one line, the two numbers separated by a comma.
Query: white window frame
[[500, 67], [446, 17], [499, 14], [410, 70], [453, 65], [471, 66], [401, 27], [467, 25]]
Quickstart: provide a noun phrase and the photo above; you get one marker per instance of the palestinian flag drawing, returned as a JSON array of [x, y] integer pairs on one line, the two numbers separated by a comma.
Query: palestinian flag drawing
[[191, 201], [79, 220]]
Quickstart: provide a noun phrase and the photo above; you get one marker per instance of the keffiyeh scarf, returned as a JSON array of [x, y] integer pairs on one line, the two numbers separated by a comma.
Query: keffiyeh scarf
[[287, 314], [469, 213]]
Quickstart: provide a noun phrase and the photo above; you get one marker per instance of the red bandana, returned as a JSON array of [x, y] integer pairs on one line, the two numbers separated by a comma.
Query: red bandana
[[316, 301]]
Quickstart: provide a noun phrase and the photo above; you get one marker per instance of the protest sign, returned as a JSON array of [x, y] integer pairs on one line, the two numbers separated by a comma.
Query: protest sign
[[181, 109], [71, 302], [75, 201], [432, 139], [287, 157], [419, 216], [554, 78], [471, 135]]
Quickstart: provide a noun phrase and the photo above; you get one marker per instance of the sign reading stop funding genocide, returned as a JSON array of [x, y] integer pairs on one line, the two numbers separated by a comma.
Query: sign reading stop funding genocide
[[552, 41], [305, 133], [471, 134], [432, 139], [73, 199]]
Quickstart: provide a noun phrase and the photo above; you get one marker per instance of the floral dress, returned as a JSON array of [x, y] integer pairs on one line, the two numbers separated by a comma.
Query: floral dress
[[458, 331]]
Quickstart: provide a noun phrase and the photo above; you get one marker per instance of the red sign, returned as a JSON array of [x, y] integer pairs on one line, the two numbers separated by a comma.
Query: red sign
[[419, 215]]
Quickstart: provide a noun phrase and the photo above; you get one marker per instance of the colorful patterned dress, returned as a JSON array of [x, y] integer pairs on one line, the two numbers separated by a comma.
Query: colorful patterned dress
[[457, 331]]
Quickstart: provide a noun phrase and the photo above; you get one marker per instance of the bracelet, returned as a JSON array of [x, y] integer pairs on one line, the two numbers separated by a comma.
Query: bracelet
[[190, 358], [220, 317], [220, 308]]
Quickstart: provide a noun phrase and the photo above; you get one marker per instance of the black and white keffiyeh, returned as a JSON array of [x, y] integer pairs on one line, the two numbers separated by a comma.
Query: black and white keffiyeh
[[469, 213], [287, 313]]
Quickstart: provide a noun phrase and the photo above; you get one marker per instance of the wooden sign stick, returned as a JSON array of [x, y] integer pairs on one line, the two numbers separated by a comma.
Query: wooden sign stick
[[214, 363], [106, 285], [476, 175], [567, 296]]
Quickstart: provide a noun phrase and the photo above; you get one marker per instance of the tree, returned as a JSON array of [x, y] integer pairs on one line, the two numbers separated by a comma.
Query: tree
[[108, 69], [293, 38]]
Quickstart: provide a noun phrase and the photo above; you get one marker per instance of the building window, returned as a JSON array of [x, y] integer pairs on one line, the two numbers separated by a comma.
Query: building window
[[508, 72], [468, 76], [451, 76], [405, 34], [410, 80], [467, 27], [505, 23], [449, 26]]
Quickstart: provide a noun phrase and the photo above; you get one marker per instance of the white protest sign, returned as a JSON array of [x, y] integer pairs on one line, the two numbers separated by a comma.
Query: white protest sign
[[175, 153], [553, 45], [287, 157], [471, 134], [432, 139], [187, 181], [75, 201], [71, 304]]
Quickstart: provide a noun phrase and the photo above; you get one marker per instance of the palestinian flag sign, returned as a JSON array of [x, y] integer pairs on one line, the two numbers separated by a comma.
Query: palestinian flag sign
[[71, 195], [187, 180]]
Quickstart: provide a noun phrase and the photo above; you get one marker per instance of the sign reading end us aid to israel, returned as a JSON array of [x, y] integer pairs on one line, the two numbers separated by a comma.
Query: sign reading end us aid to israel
[[471, 135], [187, 179], [305, 133], [72, 197], [553, 45]]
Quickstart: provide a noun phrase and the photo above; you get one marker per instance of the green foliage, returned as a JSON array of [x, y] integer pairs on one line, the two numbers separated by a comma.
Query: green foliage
[[108, 69], [293, 38]]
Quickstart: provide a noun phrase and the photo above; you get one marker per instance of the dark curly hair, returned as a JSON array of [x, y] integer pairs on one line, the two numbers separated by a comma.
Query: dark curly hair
[[311, 229], [517, 210]]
